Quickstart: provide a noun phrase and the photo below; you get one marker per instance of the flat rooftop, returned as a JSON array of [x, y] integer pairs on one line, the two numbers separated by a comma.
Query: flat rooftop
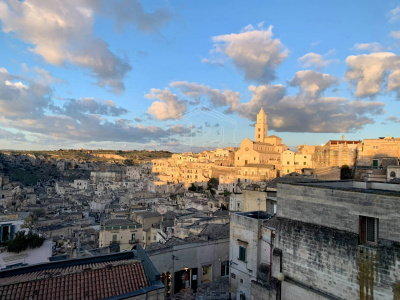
[[391, 189], [257, 214]]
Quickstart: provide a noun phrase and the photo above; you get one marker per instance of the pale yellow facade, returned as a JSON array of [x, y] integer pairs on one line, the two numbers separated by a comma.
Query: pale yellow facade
[[265, 150], [372, 151], [295, 162], [126, 234]]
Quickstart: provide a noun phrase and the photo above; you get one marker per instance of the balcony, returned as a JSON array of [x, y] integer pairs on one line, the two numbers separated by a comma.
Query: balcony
[[263, 273], [133, 241]]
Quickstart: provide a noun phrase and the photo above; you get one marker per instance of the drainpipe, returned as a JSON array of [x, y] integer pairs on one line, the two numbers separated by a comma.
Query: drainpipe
[[278, 252]]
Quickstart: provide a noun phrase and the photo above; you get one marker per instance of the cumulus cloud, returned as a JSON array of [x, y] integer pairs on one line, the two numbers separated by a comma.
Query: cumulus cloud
[[41, 75], [8, 135], [313, 83], [393, 119], [62, 33], [315, 60], [253, 51], [131, 12], [369, 47], [394, 14], [302, 113], [368, 72], [86, 119], [168, 105], [16, 85], [395, 34], [73, 107], [263, 95], [215, 96]]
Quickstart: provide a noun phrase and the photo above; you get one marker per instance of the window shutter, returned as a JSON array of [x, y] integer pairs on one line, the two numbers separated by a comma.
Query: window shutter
[[12, 230], [363, 229]]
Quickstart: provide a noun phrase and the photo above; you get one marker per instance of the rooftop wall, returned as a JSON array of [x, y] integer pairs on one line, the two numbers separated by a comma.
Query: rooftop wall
[[340, 208]]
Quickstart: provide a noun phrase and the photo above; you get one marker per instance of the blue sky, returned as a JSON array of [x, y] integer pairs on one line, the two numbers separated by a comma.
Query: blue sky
[[191, 75]]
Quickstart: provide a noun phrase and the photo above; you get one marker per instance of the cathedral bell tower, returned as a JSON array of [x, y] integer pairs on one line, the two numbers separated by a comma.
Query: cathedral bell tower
[[261, 126]]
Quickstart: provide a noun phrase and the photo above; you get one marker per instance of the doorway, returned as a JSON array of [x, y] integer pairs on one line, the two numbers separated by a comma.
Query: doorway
[[206, 274]]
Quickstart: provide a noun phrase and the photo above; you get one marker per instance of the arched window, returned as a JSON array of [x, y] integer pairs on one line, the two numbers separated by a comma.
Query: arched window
[[393, 174]]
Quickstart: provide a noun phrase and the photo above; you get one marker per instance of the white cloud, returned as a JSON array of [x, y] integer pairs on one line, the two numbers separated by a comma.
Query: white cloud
[[62, 33], [369, 47], [16, 85], [84, 119], [263, 95], [168, 107], [253, 51], [300, 113], [395, 34], [394, 14], [368, 72], [313, 83], [215, 96], [131, 12], [393, 119], [315, 60]]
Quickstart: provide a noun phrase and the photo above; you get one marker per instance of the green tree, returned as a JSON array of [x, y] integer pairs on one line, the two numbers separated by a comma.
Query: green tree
[[22, 242], [212, 183], [192, 188], [29, 222], [345, 172]]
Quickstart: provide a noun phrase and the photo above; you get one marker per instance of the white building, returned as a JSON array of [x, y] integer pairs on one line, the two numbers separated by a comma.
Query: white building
[[8, 229], [249, 251], [81, 184]]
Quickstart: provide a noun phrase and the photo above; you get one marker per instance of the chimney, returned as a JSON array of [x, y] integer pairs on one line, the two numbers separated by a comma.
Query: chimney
[[342, 137]]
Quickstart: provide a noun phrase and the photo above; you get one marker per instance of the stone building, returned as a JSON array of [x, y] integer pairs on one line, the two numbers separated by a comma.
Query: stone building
[[295, 162], [249, 251], [336, 153], [187, 263], [372, 151], [265, 150], [335, 240], [122, 232], [9, 226]]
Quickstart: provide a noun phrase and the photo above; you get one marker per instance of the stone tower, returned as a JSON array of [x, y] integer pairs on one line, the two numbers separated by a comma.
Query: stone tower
[[261, 126]]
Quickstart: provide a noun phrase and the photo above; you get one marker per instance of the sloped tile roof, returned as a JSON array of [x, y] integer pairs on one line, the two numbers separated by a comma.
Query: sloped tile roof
[[89, 281]]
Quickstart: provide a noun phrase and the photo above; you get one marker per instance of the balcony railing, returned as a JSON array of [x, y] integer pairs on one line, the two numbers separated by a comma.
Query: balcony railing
[[133, 241], [115, 242], [263, 273]]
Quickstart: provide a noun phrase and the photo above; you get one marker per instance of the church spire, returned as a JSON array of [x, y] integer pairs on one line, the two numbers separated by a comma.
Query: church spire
[[261, 126]]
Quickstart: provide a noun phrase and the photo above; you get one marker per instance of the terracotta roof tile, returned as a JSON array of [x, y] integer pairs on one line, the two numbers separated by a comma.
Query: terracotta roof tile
[[94, 281]]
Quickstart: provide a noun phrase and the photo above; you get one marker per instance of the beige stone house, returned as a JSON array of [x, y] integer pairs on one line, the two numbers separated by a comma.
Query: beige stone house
[[122, 232]]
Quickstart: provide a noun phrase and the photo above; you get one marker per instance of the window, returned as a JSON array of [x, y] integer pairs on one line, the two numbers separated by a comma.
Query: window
[[368, 230], [225, 268], [258, 136], [242, 253], [304, 163], [259, 129], [6, 232], [392, 174], [154, 238], [288, 162]]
